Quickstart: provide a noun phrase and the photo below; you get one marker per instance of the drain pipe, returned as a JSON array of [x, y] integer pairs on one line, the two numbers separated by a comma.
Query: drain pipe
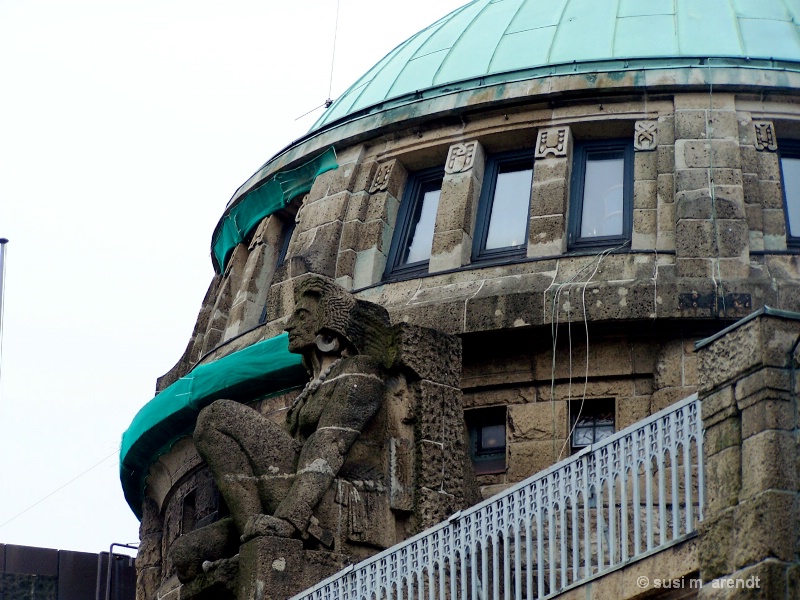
[[110, 557]]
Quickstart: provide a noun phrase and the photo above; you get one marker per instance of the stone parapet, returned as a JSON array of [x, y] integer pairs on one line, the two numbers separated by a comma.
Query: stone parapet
[[748, 390]]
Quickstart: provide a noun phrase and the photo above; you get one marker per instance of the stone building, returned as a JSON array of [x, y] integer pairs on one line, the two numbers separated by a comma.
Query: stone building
[[581, 193]]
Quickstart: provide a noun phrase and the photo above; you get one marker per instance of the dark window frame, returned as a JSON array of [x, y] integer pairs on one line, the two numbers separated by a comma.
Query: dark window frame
[[592, 408], [492, 461], [418, 185], [493, 167], [582, 152], [788, 149]]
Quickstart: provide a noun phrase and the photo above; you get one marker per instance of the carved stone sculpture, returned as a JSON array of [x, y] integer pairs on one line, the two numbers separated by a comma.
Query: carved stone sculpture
[[357, 422]]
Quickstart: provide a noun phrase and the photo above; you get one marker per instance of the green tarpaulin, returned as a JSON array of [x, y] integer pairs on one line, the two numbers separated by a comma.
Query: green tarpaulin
[[242, 218], [255, 371]]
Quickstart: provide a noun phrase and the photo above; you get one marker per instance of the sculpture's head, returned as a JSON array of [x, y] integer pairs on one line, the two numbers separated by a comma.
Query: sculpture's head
[[329, 319]]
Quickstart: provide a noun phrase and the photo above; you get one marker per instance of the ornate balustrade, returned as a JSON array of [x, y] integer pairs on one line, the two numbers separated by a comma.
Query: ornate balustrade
[[635, 493]]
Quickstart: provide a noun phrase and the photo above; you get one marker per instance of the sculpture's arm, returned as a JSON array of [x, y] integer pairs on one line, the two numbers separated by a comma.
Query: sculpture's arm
[[358, 396]]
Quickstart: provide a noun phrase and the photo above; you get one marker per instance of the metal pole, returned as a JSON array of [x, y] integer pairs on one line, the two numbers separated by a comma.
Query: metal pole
[[3, 242], [112, 557]]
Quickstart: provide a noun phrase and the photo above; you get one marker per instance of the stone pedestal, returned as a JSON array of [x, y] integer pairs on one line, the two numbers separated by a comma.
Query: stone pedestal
[[271, 568]]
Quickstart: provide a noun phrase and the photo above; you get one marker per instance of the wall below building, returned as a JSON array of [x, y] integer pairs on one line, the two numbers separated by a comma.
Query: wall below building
[[28, 573]]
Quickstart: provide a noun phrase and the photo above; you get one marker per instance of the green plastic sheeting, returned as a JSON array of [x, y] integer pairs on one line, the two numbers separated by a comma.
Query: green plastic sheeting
[[275, 193], [255, 371]]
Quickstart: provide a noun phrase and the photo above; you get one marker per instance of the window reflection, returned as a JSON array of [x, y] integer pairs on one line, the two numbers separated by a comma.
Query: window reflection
[[421, 230], [790, 169], [603, 195], [508, 221]]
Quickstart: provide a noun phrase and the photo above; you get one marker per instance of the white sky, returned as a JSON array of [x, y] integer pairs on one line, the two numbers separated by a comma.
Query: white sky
[[125, 127]]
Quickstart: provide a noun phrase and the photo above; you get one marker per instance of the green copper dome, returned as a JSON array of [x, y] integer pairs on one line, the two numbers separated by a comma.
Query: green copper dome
[[507, 40]]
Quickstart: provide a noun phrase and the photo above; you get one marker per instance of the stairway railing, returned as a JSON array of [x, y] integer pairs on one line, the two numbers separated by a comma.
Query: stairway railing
[[624, 498]]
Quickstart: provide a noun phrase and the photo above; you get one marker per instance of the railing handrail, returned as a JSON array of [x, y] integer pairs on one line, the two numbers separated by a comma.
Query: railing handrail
[[498, 499]]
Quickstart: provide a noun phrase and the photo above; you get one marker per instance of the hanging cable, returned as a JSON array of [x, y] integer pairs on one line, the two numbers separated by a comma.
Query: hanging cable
[[328, 101], [58, 489]]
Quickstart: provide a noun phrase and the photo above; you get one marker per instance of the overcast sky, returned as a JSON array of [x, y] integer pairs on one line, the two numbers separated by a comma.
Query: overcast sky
[[125, 127]]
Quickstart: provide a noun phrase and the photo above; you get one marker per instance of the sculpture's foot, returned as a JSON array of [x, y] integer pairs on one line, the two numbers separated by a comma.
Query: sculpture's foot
[[259, 525]]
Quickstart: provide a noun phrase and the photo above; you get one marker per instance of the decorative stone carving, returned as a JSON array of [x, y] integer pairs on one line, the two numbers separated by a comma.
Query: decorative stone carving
[[383, 175], [553, 142], [461, 157], [645, 136], [765, 136], [339, 477]]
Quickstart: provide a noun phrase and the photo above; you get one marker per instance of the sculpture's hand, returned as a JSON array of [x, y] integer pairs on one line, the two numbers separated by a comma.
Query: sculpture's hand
[[259, 525]]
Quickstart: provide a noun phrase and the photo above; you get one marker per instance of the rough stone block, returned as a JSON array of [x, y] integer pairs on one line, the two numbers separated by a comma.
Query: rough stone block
[[723, 124], [549, 197], [716, 545], [645, 228], [666, 160], [665, 188], [528, 458], [774, 222], [764, 384], [691, 179], [733, 237], [551, 168], [694, 204], [690, 124], [763, 529], [733, 268], [726, 176], [694, 238], [754, 217], [723, 479], [546, 235], [720, 403], [450, 250], [769, 168], [722, 434], [749, 159], [645, 165], [645, 193], [368, 268], [767, 463], [538, 421], [631, 410], [769, 192], [457, 202], [666, 130]]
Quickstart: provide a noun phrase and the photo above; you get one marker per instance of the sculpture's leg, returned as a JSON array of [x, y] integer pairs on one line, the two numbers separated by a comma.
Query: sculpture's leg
[[253, 460], [212, 542]]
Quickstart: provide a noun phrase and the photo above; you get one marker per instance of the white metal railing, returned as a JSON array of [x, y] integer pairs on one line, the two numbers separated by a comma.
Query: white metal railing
[[634, 493]]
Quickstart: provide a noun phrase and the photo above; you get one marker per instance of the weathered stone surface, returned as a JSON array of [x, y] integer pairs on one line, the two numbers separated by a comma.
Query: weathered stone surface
[[716, 547], [723, 476], [763, 530], [538, 421], [760, 469]]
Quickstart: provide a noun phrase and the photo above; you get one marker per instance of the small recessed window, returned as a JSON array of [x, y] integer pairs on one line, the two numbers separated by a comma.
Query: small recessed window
[[487, 439], [413, 236], [790, 180], [502, 224], [592, 421], [602, 193]]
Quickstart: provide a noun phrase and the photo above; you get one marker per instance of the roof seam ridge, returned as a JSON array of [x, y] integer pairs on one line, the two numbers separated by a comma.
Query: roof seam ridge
[[441, 22], [505, 33], [460, 35], [555, 33]]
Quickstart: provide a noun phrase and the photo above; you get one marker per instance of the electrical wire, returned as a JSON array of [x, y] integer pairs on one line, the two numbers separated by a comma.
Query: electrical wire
[[58, 489]]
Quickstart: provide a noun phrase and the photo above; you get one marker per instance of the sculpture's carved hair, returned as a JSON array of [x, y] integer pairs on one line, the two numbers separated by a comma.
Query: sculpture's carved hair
[[363, 325]]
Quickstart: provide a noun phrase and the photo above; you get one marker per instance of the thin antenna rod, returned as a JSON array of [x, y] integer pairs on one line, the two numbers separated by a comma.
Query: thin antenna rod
[[3, 242], [333, 55]]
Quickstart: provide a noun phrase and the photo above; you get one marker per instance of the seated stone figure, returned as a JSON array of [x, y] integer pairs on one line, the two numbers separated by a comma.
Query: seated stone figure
[[272, 477]]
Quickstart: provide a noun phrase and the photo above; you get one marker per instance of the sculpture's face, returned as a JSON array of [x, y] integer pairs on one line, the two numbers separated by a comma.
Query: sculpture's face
[[303, 324]]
